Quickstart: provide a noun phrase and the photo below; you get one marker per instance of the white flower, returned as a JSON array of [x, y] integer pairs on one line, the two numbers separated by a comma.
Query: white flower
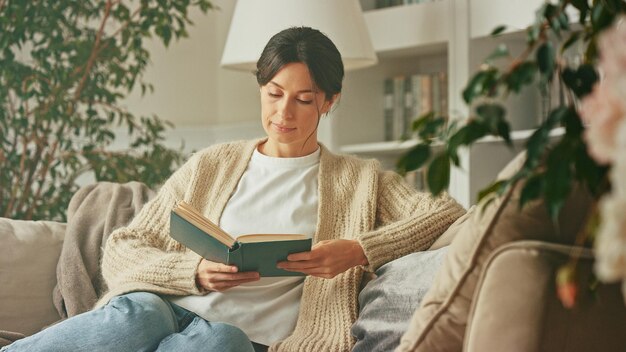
[[618, 170], [611, 239], [603, 111]]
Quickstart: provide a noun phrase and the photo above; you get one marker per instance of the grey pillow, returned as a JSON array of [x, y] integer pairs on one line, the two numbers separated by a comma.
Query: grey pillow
[[388, 302]]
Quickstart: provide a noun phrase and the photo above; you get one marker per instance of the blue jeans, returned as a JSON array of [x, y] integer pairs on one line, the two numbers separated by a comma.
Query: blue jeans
[[137, 321]]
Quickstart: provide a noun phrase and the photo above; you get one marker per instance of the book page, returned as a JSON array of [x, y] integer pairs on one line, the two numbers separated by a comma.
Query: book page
[[270, 237], [192, 215]]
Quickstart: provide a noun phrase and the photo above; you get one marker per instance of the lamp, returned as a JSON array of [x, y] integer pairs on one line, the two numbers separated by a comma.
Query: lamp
[[254, 22]]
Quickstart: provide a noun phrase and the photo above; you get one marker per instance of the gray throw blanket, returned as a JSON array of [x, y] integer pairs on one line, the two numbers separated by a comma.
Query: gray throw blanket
[[93, 213]]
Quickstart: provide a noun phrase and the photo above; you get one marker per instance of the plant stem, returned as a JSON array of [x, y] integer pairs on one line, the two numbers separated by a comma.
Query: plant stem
[[39, 150], [43, 174], [34, 162], [134, 14], [94, 52], [15, 183]]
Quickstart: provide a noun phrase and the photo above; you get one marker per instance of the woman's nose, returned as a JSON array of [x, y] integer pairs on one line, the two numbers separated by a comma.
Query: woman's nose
[[285, 108]]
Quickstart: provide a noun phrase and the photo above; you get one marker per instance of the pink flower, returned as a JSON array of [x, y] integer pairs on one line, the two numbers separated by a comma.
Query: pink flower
[[612, 45], [603, 111], [618, 169]]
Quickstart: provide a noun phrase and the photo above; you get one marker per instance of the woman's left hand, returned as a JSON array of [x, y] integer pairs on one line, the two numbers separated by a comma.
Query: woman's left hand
[[326, 259]]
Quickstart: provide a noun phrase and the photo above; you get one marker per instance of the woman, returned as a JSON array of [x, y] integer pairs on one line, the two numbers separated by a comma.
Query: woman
[[165, 297]]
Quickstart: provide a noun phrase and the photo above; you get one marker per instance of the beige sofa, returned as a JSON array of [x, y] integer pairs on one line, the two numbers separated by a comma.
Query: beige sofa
[[29, 253], [514, 307]]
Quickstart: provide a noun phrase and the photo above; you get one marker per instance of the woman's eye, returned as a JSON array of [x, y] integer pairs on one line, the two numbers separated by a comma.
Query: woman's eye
[[303, 101], [273, 95]]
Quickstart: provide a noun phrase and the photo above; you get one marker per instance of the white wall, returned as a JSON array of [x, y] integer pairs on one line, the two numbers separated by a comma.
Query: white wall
[[190, 87]]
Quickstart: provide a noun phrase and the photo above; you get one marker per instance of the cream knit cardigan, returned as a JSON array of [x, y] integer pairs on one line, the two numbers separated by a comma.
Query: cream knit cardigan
[[356, 201]]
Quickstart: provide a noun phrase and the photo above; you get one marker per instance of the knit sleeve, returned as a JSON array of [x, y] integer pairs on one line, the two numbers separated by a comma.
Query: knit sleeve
[[143, 252], [407, 220]]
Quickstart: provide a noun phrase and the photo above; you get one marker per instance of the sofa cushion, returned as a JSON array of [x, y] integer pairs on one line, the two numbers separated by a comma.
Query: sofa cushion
[[531, 315], [446, 238], [388, 301], [28, 260], [439, 324]]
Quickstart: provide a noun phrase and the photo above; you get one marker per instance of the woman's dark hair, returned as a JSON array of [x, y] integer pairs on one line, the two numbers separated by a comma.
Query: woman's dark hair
[[306, 45]]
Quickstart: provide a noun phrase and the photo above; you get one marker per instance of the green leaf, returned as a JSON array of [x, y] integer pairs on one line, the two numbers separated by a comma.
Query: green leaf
[[573, 38], [601, 16], [493, 189], [538, 141], [414, 158], [564, 20], [558, 178], [466, 135], [546, 59], [490, 112], [498, 30], [429, 127], [532, 189], [439, 174], [521, 75], [480, 84], [422, 120], [532, 33], [580, 80], [580, 4], [493, 117], [588, 170], [573, 125]]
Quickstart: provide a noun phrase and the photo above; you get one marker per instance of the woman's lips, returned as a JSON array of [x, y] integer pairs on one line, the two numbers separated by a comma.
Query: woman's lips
[[281, 128]]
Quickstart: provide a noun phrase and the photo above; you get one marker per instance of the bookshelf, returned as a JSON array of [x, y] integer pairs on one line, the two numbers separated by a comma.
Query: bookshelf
[[428, 37]]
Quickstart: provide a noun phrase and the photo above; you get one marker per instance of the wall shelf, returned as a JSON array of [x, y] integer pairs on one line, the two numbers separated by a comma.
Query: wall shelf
[[450, 36], [399, 147], [412, 29]]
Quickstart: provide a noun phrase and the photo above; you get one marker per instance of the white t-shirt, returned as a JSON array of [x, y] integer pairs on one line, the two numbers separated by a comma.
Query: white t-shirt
[[274, 195]]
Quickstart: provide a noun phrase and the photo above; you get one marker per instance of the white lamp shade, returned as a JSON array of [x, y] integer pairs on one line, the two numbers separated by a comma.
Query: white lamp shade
[[254, 22]]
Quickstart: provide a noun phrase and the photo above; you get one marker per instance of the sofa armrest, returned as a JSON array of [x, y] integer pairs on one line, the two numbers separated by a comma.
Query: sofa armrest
[[515, 307], [29, 253]]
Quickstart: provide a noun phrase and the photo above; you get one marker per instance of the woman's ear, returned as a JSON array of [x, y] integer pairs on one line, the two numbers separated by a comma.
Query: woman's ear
[[328, 104]]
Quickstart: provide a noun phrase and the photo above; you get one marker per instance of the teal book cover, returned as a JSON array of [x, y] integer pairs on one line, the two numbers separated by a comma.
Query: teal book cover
[[258, 253]]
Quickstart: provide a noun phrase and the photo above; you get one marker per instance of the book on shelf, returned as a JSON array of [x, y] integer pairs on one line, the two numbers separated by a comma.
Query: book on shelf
[[408, 97], [388, 114], [407, 116], [389, 3], [426, 96], [436, 93], [399, 124], [443, 89], [252, 252]]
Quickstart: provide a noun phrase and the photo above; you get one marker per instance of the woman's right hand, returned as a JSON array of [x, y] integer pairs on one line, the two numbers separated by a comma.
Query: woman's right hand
[[220, 277]]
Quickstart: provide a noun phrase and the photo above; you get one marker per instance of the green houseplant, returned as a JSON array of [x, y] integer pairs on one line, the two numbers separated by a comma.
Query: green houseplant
[[64, 68], [552, 168]]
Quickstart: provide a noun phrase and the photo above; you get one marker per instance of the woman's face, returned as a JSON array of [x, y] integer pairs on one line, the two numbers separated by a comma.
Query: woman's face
[[290, 109]]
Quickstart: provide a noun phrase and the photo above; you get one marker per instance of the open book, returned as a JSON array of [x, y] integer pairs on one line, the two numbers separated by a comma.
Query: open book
[[254, 252]]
